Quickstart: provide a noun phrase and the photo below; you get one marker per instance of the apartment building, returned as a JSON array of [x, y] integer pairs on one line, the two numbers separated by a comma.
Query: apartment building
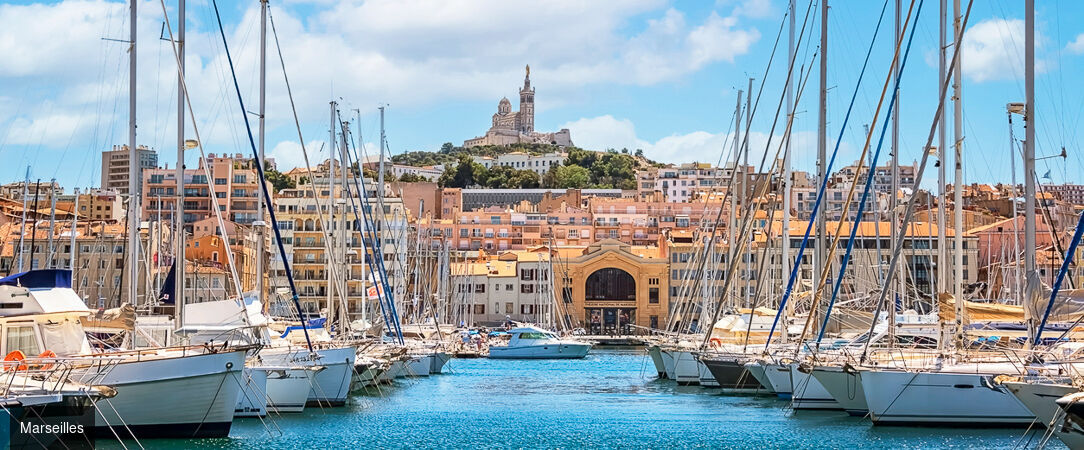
[[99, 254], [626, 220], [115, 167], [233, 188], [302, 220], [97, 204]]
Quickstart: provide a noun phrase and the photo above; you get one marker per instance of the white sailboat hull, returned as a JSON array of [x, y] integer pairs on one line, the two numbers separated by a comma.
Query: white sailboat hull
[[419, 365], [656, 358], [179, 397], [437, 362], [327, 387], [686, 368], [252, 397], [1040, 398], [288, 390], [757, 370], [845, 387], [808, 393], [778, 376], [940, 398]]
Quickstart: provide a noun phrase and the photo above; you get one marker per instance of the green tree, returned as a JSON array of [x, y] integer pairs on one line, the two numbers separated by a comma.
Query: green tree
[[524, 179], [368, 173], [412, 178], [466, 173], [278, 180], [571, 177]]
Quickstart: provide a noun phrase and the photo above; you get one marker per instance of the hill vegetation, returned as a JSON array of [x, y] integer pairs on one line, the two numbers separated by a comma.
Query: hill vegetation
[[610, 169]]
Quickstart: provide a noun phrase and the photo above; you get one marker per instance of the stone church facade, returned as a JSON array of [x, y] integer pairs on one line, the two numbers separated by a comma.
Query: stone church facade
[[517, 127]]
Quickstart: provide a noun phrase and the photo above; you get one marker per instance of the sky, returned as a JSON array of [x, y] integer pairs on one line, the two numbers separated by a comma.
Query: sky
[[656, 75]]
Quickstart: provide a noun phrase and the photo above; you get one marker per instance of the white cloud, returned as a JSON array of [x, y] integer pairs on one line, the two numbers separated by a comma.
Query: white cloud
[[409, 53], [604, 132], [993, 49], [1077, 46]]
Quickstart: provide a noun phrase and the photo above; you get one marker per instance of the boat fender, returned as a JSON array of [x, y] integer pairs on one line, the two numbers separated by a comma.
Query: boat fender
[[14, 356], [47, 354]]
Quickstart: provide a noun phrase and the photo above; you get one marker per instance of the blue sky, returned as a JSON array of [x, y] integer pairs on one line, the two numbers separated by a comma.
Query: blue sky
[[652, 74]]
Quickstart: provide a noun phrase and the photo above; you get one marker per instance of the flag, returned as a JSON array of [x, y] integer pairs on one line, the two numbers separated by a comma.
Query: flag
[[1046, 176]]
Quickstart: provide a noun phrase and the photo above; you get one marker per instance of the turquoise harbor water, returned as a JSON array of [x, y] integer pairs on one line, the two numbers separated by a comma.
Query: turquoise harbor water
[[608, 400]]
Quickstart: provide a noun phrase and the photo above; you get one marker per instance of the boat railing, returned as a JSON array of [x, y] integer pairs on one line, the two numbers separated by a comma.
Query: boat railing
[[185, 350], [48, 374]]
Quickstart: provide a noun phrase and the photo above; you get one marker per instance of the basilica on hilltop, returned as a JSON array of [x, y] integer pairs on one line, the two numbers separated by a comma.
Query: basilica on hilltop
[[517, 127]]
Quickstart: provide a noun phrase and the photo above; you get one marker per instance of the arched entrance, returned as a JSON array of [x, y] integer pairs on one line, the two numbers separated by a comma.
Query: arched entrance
[[610, 294]]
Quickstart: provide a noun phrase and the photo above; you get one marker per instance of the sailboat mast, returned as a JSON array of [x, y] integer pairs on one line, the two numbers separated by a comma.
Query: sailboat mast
[[178, 215], [133, 164], [22, 232], [785, 247], [732, 251], [745, 194], [344, 232], [259, 223], [329, 229], [71, 236], [942, 153], [52, 224], [1029, 164], [893, 202], [822, 150], [361, 231], [958, 191]]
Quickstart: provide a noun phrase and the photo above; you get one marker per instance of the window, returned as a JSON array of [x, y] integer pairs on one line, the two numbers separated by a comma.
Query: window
[[220, 181], [240, 179], [479, 309], [610, 284], [526, 288], [480, 288], [653, 295], [24, 339]]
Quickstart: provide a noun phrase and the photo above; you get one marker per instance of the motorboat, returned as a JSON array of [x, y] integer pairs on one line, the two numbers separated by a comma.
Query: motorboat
[[175, 392], [535, 343]]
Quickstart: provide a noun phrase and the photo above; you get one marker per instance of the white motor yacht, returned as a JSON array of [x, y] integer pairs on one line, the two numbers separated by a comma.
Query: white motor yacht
[[179, 392], [536, 343]]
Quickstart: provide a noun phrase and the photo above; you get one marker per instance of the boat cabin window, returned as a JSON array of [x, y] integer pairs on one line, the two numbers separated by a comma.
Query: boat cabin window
[[22, 338], [916, 341], [534, 335]]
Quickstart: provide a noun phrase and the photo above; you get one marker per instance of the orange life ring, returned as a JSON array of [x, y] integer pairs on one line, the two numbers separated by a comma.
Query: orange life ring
[[15, 356], [716, 342], [47, 354]]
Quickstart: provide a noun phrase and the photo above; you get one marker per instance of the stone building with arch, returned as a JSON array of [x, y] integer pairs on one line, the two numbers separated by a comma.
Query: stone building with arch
[[610, 285]]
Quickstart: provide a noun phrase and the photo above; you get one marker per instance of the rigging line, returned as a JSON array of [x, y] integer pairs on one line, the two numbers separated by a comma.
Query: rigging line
[[761, 189], [206, 168], [910, 208], [378, 257], [870, 175], [260, 172], [824, 183], [729, 191]]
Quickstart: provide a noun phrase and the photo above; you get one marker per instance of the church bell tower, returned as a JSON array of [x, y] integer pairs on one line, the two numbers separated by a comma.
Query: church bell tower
[[526, 105]]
